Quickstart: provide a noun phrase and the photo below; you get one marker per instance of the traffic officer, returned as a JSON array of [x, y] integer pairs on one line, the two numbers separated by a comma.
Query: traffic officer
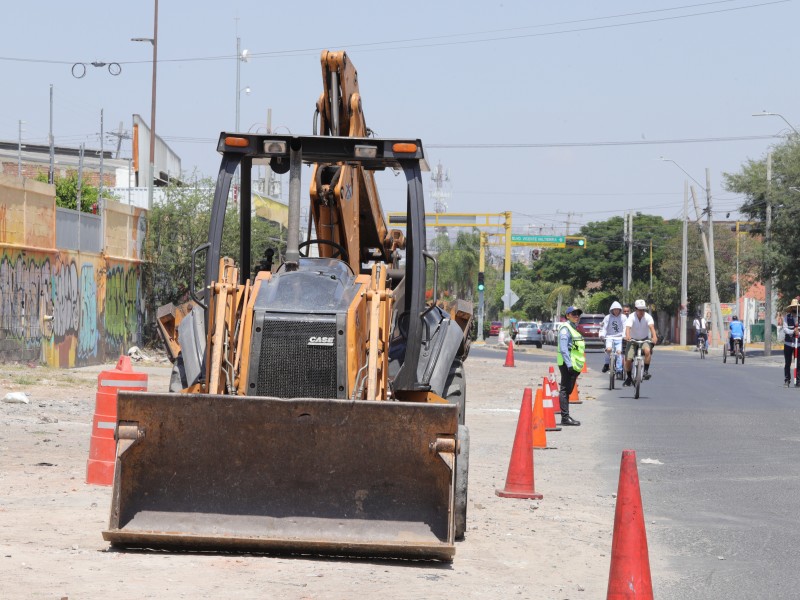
[[571, 358]]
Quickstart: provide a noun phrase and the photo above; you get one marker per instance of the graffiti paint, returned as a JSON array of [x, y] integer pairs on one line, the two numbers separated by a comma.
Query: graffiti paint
[[123, 305], [24, 293], [84, 310], [66, 303], [87, 332]]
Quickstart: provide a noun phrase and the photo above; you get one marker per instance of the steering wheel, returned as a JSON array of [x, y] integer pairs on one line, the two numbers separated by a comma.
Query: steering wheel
[[340, 250]]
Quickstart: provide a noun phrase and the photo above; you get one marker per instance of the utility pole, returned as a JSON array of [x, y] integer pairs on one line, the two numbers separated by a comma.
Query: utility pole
[[481, 267], [80, 188], [509, 297], [102, 152], [51, 173], [651, 264], [19, 151], [712, 294], [685, 263], [768, 282], [80, 176], [630, 251], [712, 272], [624, 258]]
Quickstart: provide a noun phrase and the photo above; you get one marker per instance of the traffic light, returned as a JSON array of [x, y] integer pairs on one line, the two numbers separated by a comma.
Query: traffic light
[[481, 284], [575, 242]]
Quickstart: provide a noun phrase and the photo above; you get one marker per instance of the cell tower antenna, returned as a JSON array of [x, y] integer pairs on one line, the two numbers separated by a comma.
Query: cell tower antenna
[[440, 192]]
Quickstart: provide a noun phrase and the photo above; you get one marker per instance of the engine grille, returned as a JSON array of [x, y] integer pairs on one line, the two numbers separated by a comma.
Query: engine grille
[[288, 367]]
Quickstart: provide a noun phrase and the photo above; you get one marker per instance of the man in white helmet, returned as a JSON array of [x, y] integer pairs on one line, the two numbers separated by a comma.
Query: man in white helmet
[[639, 326], [612, 330]]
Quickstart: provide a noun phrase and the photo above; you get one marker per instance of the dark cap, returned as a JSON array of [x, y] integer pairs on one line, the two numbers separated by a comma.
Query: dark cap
[[573, 309]]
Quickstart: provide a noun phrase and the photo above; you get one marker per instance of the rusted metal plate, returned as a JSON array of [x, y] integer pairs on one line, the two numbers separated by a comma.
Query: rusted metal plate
[[297, 475]]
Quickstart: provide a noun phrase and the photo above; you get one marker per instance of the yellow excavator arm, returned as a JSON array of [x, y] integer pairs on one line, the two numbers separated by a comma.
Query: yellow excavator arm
[[345, 205]]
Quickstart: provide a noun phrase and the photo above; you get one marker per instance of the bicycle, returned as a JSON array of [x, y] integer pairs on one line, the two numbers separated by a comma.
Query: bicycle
[[701, 347], [738, 350], [615, 372], [637, 370]]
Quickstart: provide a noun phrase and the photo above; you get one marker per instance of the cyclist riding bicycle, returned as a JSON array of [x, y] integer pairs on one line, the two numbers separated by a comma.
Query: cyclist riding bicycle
[[701, 330], [639, 326], [612, 330], [736, 329]]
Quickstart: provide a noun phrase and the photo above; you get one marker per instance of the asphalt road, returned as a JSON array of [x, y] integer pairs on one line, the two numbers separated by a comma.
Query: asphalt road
[[722, 509]]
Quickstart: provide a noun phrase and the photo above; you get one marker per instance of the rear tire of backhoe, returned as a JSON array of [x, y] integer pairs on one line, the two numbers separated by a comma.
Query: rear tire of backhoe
[[177, 381], [455, 392], [455, 389], [462, 482]]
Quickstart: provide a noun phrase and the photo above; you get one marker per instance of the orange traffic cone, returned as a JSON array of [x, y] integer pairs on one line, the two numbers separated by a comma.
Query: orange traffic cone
[[548, 403], [510, 354], [574, 397], [519, 480], [539, 436], [585, 369], [629, 577]]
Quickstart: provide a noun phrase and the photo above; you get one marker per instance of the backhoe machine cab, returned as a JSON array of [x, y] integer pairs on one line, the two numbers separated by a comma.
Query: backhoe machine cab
[[317, 405]]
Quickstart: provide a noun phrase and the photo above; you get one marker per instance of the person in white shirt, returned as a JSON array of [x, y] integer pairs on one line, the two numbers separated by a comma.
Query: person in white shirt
[[639, 326], [701, 329], [612, 330]]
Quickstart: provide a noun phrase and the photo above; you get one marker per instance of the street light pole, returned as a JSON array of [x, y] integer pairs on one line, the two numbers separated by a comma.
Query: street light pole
[[768, 282], [773, 114], [241, 56], [684, 263], [151, 167]]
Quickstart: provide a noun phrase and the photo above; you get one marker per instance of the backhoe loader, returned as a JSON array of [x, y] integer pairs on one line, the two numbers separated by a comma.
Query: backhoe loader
[[317, 406]]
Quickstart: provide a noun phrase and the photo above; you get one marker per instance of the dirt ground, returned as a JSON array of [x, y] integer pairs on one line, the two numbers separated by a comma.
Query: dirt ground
[[51, 520]]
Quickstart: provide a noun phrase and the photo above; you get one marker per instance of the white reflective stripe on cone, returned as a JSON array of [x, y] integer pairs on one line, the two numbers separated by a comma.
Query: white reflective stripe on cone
[[120, 383]]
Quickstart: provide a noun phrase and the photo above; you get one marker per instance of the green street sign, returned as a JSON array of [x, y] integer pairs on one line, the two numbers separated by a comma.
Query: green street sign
[[541, 241]]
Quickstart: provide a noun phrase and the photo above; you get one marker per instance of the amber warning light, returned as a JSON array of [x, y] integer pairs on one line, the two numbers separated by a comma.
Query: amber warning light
[[404, 147], [238, 142]]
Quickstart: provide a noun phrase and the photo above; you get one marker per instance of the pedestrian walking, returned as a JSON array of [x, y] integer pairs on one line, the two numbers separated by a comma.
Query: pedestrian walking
[[791, 339], [571, 358]]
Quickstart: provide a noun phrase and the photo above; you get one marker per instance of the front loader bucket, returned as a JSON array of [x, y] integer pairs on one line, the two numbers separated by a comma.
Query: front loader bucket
[[299, 475]]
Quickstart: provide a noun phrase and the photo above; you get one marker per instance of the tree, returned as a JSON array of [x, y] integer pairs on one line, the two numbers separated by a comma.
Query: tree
[[458, 264], [178, 225], [67, 192], [781, 259], [602, 259]]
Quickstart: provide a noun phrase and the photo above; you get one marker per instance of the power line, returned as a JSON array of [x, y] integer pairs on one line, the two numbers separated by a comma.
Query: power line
[[409, 42], [742, 138]]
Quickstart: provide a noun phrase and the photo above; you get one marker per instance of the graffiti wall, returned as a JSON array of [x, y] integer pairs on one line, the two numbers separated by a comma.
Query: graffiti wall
[[63, 308]]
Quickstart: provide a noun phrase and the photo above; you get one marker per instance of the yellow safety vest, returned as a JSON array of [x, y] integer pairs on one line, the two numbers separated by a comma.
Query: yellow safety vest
[[577, 349]]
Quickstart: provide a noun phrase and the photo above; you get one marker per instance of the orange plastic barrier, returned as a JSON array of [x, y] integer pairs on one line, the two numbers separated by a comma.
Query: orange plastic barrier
[[103, 446]]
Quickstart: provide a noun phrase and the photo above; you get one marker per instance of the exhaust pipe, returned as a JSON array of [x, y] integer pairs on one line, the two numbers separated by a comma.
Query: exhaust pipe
[[293, 235]]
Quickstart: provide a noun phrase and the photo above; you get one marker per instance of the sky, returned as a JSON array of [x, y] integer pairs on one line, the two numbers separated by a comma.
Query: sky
[[556, 111]]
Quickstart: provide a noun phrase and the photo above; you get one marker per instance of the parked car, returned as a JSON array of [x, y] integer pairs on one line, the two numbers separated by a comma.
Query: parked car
[[494, 327], [529, 332], [589, 325]]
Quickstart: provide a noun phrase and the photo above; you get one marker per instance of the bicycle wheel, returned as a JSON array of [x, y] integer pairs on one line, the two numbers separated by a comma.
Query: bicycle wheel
[[638, 380], [724, 354], [736, 349], [612, 374], [742, 355]]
